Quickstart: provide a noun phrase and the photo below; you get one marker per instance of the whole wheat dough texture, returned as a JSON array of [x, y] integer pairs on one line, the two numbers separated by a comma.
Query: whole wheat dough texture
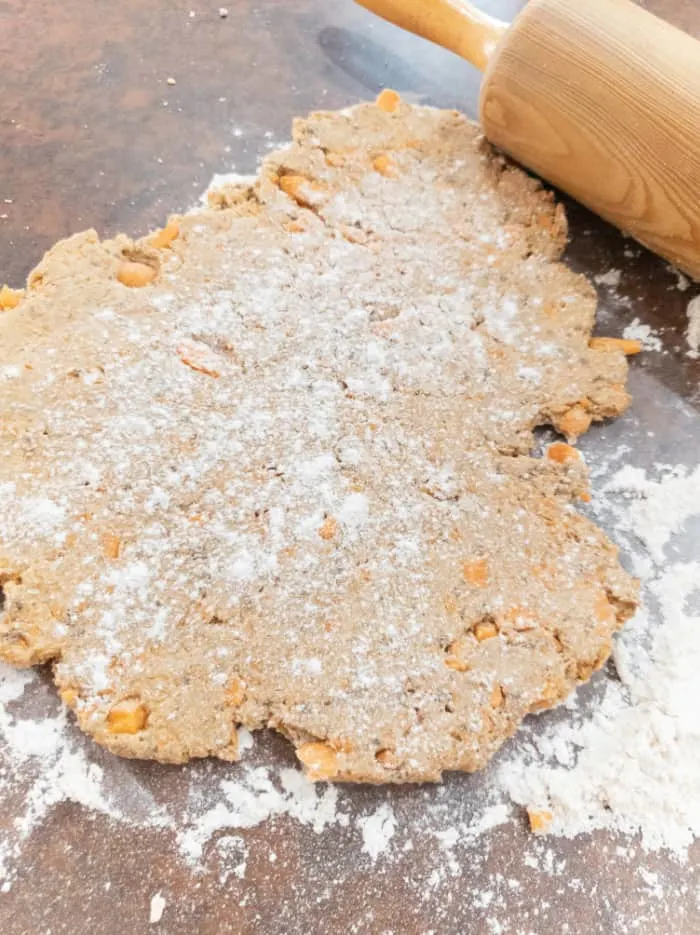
[[271, 466]]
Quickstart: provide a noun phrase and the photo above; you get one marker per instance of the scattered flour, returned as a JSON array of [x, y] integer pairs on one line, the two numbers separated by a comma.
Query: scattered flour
[[157, 908], [254, 798], [648, 338], [682, 282], [611, 279], [657, 509], [693, 333], [633, 764], [233, 856], [377, 831], [64, 773]]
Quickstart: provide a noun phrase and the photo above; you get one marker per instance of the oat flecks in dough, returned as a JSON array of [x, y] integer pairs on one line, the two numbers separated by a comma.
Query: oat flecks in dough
[[299, 434]]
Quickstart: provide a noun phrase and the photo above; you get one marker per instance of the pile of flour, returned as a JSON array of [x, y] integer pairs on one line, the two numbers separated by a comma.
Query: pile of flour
[[633, 763]]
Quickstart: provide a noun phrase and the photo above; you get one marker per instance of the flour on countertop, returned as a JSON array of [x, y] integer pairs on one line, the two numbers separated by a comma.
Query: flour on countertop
[[682, 283], [255, 797], [377, 831], [693, 333], [611, 279], [658, 509], [633, 764], [157, 908], [647, 337]]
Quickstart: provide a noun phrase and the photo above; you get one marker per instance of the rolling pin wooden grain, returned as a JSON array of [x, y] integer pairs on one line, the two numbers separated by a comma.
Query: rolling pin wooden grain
[[599, 97]]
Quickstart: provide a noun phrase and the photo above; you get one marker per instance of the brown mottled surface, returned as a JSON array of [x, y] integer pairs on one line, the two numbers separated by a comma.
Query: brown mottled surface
[[88, 141]]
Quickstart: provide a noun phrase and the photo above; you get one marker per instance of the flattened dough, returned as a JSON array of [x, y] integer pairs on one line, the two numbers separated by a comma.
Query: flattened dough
[[288, 483]]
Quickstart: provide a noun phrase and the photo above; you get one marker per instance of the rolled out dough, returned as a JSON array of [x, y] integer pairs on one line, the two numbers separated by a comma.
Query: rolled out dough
[[271, 466]]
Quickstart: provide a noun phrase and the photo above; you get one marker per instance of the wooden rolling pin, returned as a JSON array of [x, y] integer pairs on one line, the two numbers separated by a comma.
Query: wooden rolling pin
[[599, 97]]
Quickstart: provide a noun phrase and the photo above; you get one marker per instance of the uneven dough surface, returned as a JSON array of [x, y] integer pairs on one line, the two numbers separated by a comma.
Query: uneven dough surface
[[284, 478]]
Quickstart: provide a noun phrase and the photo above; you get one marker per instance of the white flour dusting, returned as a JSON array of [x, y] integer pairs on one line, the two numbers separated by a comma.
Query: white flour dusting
[[682, 283], [633, 765], [693, 333], [47, 762], [45, 751], [254, 798], [658, 509], [377, 831], [647, 337], [157, 908], [611, 278]]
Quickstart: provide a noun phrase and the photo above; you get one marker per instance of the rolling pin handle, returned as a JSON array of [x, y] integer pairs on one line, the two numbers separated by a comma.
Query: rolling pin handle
[[456, 25]]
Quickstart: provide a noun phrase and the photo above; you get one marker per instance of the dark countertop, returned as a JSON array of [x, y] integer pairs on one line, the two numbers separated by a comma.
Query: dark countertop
[[93, 136]]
